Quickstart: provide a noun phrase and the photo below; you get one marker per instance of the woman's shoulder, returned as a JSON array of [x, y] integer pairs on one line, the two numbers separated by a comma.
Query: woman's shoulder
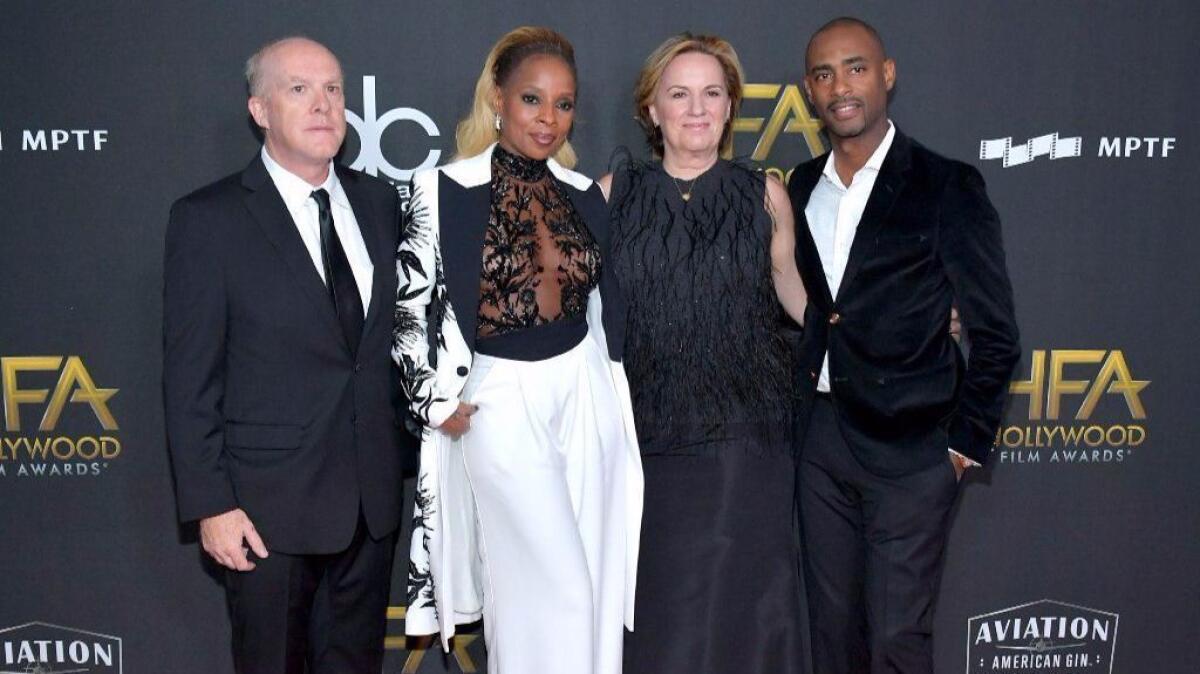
[[466, 171], [570, 176], [744, 169], [626, 174], [427, 178], [425, 185], [622, 162], [744, 176]]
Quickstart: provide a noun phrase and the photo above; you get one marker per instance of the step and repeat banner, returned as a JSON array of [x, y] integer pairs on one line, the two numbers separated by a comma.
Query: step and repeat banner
[[1075, 550]]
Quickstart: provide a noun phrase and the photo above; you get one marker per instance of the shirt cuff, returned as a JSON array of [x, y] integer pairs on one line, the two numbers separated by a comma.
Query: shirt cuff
[[968, 461]]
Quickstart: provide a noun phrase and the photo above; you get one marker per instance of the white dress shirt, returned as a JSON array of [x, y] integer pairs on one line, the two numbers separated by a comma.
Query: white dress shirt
[[833, 213], [297, 196]]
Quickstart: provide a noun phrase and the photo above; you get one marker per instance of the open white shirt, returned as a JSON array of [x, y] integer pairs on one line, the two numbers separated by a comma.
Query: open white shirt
[[297, 196], [833, 212]]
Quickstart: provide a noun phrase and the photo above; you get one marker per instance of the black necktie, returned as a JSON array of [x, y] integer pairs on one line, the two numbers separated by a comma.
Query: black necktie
[[338, 276]]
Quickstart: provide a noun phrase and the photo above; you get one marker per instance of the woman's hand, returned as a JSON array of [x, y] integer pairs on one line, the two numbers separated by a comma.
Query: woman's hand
[[459, 421]]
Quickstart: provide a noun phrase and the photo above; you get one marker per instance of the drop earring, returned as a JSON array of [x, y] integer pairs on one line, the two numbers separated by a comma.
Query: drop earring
[[498, 124]]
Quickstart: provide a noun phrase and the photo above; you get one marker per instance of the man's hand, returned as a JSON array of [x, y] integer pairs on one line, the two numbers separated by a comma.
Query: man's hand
[[955, 325], [459, 421], [960, 465], [222, 538]]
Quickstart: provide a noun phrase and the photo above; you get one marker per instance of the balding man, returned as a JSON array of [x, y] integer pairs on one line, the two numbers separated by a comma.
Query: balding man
[[279, 390], [889, 236]]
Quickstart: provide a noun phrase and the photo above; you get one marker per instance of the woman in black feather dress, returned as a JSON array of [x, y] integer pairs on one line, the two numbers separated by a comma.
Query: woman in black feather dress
[[703, 252]]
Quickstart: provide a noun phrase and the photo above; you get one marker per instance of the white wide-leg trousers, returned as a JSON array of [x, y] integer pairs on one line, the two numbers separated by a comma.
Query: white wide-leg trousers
[[546, 464]]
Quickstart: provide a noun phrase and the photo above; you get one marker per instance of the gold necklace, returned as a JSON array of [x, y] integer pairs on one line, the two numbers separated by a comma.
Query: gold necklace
[[691, 185], [686, 195]]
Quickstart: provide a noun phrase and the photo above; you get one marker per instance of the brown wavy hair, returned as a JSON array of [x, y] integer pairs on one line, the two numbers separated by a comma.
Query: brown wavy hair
[[652, 72]]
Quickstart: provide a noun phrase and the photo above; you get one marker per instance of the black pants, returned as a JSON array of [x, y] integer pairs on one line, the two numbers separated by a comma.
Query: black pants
[[272, 610], [873, 555]]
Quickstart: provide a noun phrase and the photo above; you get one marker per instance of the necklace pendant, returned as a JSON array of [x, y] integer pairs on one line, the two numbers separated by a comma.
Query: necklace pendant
[[684, 195]]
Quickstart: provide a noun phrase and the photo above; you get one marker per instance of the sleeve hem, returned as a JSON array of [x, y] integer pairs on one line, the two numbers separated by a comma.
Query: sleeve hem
[[441, 410]]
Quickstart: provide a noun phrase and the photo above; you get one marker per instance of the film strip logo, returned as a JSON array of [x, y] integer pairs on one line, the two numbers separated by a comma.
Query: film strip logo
[[1015, 155]]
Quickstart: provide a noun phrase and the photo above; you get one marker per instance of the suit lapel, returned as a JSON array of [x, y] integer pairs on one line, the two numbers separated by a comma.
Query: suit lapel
[[463, 208], [272, 216], [371, 226], [590, 209], [809, 260], [462, 221], [888, 185]]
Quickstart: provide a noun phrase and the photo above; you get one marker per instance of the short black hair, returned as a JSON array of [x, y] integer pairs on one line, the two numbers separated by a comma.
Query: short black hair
[[847, 21]]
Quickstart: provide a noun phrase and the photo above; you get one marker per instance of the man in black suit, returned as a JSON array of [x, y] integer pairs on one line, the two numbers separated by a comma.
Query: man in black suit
[[891, 235], [280, 394]]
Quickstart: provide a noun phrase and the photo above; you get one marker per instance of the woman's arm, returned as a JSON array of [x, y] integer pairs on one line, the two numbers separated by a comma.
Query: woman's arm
[[788, 286], [605, 183], [418, 266]]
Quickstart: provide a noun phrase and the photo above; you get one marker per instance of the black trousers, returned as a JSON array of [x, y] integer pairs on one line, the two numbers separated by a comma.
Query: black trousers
[[872, 555], [275, 627]]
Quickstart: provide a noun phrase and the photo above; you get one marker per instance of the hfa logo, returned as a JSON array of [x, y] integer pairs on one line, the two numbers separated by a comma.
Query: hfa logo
[[415, 661], [48, 450], [39, 647], [1043, 635], [1051, 391], [790, 115], [1055, 147]]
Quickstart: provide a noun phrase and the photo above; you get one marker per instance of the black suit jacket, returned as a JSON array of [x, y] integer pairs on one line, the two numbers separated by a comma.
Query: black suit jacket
[[266, 407], [928, 238]]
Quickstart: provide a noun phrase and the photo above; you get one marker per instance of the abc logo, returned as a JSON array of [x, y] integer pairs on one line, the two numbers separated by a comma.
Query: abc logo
[[370, 128]]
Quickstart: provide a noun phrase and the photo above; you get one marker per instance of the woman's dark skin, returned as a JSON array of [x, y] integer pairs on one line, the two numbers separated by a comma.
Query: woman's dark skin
[[536, 107]]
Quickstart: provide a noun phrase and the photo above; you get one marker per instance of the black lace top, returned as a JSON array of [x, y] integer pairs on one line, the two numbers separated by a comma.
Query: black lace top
[[708, 365], [540, 261]]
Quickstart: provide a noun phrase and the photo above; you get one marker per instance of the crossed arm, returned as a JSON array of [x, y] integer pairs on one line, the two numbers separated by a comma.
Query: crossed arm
[[419, 268]]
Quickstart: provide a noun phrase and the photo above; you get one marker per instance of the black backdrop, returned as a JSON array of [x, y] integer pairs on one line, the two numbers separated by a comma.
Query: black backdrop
[[1074, 551]]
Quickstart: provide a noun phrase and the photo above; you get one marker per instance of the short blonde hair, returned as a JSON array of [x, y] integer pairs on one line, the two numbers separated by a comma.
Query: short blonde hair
[[652, 72], [478, 130]]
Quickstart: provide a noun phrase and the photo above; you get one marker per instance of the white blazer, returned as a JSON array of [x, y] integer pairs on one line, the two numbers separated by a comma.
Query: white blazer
[[447, 217]]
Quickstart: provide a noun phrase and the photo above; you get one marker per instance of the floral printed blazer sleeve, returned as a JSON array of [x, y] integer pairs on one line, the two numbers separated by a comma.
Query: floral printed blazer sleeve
[[422, 287]]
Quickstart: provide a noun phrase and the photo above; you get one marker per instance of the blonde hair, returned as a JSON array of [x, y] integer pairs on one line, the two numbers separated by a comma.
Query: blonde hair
[[652, 72], [478, 129]]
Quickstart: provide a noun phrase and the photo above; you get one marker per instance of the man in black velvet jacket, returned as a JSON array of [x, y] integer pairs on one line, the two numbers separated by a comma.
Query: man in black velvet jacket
[[890, 236]]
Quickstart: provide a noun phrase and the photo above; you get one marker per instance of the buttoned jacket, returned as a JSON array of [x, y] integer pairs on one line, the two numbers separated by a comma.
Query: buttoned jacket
[[928, 238], [268, 407]]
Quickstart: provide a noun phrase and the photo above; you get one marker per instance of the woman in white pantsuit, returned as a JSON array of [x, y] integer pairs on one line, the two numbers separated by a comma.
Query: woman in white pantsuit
[[530, 487]]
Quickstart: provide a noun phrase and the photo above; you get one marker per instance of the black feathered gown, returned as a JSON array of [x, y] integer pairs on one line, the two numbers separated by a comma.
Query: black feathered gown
[[711, 381]]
